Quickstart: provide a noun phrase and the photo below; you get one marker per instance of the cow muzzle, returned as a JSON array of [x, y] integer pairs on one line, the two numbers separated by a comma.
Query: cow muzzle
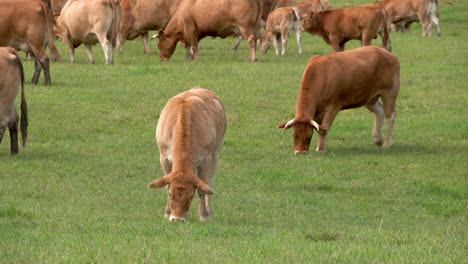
[[176, 219]]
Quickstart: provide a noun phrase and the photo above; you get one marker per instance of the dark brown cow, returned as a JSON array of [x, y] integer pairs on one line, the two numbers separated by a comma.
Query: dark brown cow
[[191, 22], [27, 25], [190, 135], [11, 77], [337, 26], [140, 16], [341, 81]]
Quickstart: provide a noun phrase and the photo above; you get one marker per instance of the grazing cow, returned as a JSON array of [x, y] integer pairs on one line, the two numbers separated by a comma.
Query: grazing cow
[[139, 16], [190, 135], [279, 23], [27, 25], [340, 81], [307, 6], [89, 22], [337, 26], [11, 76], [409, 11], [191, 22]]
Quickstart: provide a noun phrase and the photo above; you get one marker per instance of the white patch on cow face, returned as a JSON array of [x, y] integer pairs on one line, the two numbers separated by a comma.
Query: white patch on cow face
[[176, 219]]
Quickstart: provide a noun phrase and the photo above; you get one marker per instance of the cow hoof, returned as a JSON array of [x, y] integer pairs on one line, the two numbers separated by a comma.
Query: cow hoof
[[205, 219], [387, 145], [320, 150], [378, 143], [253, 61]]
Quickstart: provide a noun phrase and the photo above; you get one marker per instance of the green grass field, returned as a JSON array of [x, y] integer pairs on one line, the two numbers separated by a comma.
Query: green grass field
[[78, 192]]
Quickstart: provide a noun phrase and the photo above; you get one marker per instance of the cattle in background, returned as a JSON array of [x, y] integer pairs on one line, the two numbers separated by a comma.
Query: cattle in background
[[89, 22], [337, 26], [191, 22], [11, 77], [409, 11], [139, 16], [345, 80], [307, 6], [190, 134], [27, 25], [280, 22]]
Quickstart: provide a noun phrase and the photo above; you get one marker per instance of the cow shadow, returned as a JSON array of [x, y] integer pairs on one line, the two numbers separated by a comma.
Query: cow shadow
[[398, 149]]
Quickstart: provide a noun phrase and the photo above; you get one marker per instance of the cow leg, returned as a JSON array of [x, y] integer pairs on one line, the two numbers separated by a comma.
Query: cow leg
[[206, 173], [435, 21], [144, 38], [45, 66], [377, 109], [390, 113], [167, 167], [90, 53], [37, 71], [299, 39], [238, 42], [13, 128], [327, 121], [2, 132], [276, 43], [284, 42], [107, 48], [252, 41], [366, 39]]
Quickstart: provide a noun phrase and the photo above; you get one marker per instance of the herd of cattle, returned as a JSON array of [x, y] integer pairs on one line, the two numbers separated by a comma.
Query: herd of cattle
[[189, 151]]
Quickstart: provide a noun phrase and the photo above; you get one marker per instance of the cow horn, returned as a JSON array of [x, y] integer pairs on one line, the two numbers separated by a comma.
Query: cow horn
[[315, 125], [289, 124], [154, 36]]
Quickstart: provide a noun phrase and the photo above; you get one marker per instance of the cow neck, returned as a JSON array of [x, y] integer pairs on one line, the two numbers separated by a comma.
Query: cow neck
[[305, 105], [182, 140]]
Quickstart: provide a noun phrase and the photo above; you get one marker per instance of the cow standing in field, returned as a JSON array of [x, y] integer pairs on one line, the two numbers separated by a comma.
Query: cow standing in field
[[345, 80], [307, 6], [195, 20], [409, 11], [11, 77], [140, 16], [27, 25], [337, 26], [89, 22], [280, 22], [190, 135]]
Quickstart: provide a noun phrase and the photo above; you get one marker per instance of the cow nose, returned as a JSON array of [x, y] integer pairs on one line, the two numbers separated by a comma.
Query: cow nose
[[297, 152], [176, 219]]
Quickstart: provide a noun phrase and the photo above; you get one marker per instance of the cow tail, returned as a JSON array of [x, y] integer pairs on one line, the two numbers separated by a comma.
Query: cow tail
[[296, 13], [115, 22], [24, 105], [258, 19], [386, 31], [50, 24]]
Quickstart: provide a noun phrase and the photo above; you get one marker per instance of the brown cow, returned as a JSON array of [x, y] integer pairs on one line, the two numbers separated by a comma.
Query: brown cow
[[139, 16], [280, 22], [27, 25], [341, 81], [89, 22], [191, 22], [11, 76], [190, 135], [409, 11], [337, 26], [307, 6]]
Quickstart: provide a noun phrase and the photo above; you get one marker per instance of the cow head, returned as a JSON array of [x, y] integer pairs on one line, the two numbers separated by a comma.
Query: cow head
[[181, 188], [167, 45], [265, 42], [302, 133], [310, 23]]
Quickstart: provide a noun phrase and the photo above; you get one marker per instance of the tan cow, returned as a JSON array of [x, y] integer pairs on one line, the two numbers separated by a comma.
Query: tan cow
[[139, 16], [408, 11], [345, 80], [191, 22], [307, 6], [190, 135], [337, 26], [11, 77], [280, 22], [89, 22], [27, 25]]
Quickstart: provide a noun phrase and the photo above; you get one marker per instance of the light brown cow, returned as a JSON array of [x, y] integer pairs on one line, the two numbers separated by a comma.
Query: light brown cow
[[27, 25], [195, 20], [337, 26], [190, 135], [307, 6], [139, 16], [11, 77], [280, 22], [408, 11], [89, 22], [345, 80]]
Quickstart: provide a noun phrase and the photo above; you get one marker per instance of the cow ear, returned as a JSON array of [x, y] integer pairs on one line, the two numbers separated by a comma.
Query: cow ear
[[159, 183], [204, 187], [287, 125]]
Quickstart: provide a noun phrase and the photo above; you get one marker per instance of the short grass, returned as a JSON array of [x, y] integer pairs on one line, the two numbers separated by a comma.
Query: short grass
[[78, 194]]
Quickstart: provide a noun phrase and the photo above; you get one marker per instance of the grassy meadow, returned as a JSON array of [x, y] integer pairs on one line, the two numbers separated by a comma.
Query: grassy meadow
[[78, 192]]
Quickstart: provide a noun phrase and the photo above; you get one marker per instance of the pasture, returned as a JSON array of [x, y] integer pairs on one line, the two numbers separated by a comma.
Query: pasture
[[78, 192]]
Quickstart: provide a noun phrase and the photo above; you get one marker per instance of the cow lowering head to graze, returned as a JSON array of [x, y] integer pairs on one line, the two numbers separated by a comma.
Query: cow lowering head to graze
[[191, 22], [11, 77], [337, 26], [280, 22], [190, 135], [140, 16], [345, 80], [90, 22], [27, 25]]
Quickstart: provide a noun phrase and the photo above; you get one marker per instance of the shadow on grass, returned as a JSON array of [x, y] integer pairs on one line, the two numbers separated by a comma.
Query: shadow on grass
[[398, 149]]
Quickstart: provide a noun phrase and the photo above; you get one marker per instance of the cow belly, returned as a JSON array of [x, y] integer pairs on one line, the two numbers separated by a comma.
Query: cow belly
[[91, 39], [20, 45]]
